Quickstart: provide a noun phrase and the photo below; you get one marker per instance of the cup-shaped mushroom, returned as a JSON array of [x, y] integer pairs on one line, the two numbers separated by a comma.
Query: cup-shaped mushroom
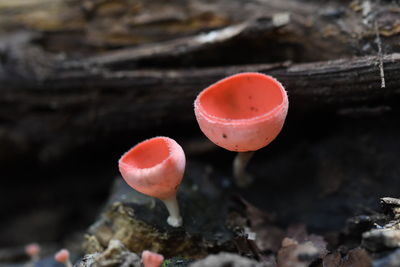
[[152, 259], [32, 250], [154, 167], [243, 112], [62, 256]]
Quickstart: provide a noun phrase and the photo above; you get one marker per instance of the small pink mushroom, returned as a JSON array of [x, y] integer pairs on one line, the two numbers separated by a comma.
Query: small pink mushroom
[[155, 167], [243, 113], [32, 250], [62, 256], [151, 259]]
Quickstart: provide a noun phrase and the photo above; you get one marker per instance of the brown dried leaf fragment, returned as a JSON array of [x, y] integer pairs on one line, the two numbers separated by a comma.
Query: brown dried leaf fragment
[[357, 257], [332, 260], [297, 255]]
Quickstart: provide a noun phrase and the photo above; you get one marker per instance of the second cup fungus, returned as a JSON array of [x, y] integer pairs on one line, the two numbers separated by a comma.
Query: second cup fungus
[[62, 256], [152, 259], [242, 113], [155, 167]]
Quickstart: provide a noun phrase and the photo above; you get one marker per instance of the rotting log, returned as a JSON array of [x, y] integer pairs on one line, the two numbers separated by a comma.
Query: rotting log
[[318, 85], [63, 106], [64, 83], [314, 30]]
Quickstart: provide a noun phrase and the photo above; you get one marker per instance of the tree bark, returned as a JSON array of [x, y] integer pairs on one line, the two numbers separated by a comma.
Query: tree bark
[[70, 78], [314, 30], [58, 110]]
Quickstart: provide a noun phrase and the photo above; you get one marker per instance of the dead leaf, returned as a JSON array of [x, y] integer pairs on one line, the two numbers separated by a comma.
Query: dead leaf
[[357, 257], [268, 237], [299, 233], [297, 255], [332, 260]]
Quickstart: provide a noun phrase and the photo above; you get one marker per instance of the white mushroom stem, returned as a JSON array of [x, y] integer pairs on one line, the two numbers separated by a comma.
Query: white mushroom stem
[[68, 263], [33, 261], [174, 219], [241, 177]]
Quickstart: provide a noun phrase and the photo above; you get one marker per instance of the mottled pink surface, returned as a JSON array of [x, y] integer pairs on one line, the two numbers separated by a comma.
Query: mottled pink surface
[[154, 167], [62, 256], [32, 249], [151, 259], [243, 112]]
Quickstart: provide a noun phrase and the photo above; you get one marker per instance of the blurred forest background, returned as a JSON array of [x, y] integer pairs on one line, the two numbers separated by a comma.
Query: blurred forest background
[[81, 81]]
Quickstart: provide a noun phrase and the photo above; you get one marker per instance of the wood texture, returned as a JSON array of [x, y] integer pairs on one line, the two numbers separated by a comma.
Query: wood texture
[[72, 106], [315, 30], [72, 72]]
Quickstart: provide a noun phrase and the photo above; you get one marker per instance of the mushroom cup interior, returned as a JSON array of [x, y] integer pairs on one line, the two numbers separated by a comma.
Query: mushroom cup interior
[[147, 154], [242, 96]]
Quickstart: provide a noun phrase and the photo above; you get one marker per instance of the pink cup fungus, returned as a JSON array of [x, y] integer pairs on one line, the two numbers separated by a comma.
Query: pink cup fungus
[[155, 167], [242, 113], [32, 250], [151, 259], [62, 256]]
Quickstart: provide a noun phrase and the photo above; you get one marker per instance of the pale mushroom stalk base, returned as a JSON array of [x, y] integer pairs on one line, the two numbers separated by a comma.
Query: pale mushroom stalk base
[[33, 261], [174, 219], [241, 177], [68, 263]]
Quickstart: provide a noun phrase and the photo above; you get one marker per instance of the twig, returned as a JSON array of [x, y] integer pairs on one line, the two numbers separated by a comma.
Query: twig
[[379, 43]]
